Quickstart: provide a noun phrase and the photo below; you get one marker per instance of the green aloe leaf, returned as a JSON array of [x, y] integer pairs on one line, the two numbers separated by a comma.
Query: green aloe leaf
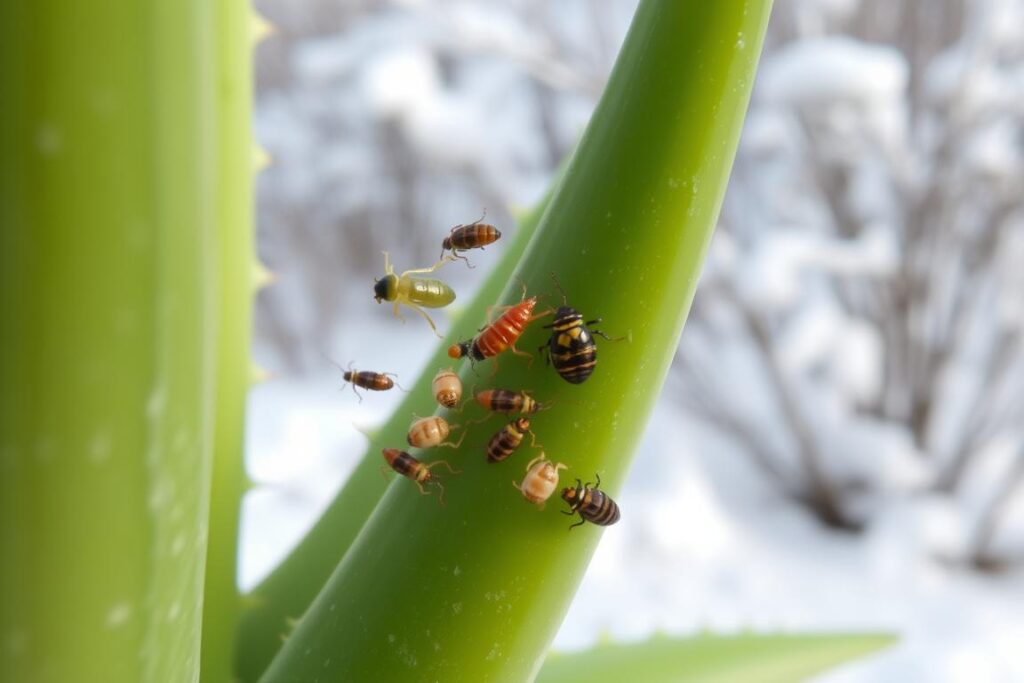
[[237, 275], [475, 590], [712, 659], [106, 337]]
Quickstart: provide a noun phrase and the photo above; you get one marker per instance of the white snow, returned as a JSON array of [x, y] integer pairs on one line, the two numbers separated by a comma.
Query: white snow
[[823, 70]]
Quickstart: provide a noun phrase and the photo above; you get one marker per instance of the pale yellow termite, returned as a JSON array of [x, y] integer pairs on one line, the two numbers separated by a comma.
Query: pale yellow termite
[[427, 432], [414, 292], [447, 388], [540, 481]]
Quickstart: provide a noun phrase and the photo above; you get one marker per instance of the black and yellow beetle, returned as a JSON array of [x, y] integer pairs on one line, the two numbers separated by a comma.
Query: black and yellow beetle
[[571, 348]]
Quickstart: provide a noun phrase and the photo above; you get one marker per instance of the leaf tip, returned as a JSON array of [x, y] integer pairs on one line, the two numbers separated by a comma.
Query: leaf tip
[[261, 28], [261, 159]]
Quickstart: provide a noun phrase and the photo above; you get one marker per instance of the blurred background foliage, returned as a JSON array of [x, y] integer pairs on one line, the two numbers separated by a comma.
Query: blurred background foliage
[[854, 460]]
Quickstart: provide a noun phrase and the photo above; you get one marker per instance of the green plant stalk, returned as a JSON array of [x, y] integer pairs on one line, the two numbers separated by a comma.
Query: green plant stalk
[[712, 659], [283, 596], [235, 273], [105, 338], [476, 590]]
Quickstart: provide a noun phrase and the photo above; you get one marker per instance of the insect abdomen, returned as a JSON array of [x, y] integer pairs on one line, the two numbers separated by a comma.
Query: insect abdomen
[[427, 292], [575, 366], [504, 443], [501, 400], [374, 381], [598, 508], [573, 352], [406, 465], [428, 432], [504, 331], [472, 236]]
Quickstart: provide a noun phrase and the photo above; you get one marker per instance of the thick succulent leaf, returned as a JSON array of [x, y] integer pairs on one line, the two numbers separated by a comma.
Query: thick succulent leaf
[[712, 659]]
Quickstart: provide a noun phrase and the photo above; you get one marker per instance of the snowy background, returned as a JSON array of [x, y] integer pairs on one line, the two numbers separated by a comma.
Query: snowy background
[[856, 461]]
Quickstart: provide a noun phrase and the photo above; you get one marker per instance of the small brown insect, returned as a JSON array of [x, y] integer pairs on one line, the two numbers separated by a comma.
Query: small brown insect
[[540, 481], [365, 379], [410, 467], [475, 235], [590, 504], [506, 401], [428, 432], [447, 388], [508, 439]]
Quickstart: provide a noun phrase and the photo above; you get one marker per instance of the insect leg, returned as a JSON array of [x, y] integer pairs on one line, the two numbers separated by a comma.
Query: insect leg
[[517, 352], [490, 314], [384, 473], [428, 318], [598, 485], [531, 463], [458, 255], [397, 312], [446, 464], [579, 523], [545, 351], [431, 269], [602, 334], [542, 314], [358, 395], [458, 443], [423, 491]]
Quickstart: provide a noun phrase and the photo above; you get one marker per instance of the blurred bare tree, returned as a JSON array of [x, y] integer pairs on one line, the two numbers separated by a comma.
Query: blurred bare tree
[[867, 273]]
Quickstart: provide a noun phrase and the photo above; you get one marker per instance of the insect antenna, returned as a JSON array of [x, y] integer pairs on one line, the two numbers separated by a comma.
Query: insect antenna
[[558, 284], [440, 496]]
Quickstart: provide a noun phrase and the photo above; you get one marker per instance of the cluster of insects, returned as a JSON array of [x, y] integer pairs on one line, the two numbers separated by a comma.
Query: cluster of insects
[[571, 349]]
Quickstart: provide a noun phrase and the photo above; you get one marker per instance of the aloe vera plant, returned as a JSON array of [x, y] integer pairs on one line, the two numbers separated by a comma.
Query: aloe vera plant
[[126, 280], [475, 590]]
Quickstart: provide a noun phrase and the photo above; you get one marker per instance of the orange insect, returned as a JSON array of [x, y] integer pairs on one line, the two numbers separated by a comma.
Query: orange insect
[[410, 467], [501, 334]]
